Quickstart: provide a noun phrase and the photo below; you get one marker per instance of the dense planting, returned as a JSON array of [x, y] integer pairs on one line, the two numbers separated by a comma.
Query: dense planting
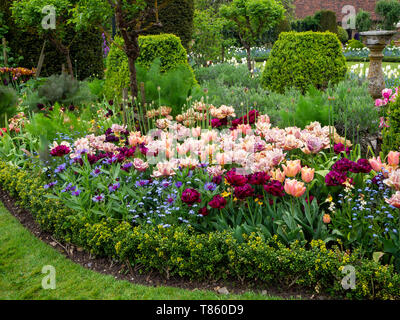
[[225, 159]]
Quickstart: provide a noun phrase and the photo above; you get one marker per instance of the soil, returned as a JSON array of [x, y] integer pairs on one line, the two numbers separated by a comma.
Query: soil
[[123, 271]]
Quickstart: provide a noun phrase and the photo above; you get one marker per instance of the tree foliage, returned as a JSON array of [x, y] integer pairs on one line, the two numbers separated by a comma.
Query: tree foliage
[[29, 15], [363, 21], [389, 10], [252, 18]]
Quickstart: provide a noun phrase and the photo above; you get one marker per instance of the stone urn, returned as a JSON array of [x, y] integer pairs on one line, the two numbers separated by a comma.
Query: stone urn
[[376, 41]]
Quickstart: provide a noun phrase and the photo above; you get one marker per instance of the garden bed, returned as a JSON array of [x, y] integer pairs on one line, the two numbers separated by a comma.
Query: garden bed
[[317, 268], [124, 271]]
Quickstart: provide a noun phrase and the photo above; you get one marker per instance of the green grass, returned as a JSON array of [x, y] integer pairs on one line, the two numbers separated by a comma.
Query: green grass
[[22, 257]]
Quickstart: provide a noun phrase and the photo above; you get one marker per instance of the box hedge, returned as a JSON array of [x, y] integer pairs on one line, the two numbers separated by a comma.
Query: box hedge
[[179, 251], [301, 59], [167, 47]]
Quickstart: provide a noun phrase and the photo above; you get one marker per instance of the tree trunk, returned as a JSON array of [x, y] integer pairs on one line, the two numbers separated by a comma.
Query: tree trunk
[[69, 62], [65, 51], [131, 48], [132, 77], [248, 57]]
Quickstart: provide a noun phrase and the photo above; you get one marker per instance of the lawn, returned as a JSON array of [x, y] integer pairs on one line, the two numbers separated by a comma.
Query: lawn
[[22, 257]]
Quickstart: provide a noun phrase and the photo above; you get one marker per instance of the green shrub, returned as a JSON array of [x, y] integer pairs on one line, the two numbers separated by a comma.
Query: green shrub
[[311, 107], [303, 59], [326, 20], [309, 23], [228, 74], [86, 51], [178, 251], [167, 47], [56, 122], [176, 18], [391, 135], [363, 21], [354, 44], [8, 103], [96, 87], [62, 89], [170, 88], [389, 10], [342, 35]]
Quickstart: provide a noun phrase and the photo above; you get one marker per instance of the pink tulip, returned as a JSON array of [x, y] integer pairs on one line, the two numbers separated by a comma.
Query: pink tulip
[[307, 174], [140, 165], [393, 158], [292, 168], [376, 164], [394, 200], [294, 188]]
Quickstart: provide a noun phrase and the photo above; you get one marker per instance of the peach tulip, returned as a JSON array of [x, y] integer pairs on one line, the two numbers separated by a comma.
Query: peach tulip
[[393, 180], [294, 188], [307, 174], [394, 200], [292, 168], [376, 164], [393, 158], [278, 175], [326, 218]]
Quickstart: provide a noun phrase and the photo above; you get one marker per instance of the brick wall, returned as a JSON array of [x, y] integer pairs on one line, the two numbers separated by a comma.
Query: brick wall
[[306, 8]]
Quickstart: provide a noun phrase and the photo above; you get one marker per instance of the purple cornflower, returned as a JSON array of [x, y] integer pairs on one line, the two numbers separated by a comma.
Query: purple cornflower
[[210, 186], [165, 183], [170, 198], [50, 185], [127, 166], [77, 192], [142, 183], [60, 168], [114, 187], [98, 198], [178, 184], [96, 171], [67, 188], [110, 160]]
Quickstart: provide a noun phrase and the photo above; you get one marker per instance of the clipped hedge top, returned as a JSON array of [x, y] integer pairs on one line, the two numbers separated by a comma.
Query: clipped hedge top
[[301, 59], [168, 47]]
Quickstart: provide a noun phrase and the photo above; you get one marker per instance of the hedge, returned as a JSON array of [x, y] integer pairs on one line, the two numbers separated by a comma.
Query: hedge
[[178, 251], [86, 50], [176, 18], [301, 59], [167, 47], [327, 21]]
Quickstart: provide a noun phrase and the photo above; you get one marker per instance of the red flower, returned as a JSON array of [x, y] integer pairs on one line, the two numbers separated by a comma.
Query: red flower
[[275, 188], [243, 192], [203, 211], [217, 179], [190, 196], [60, 151], [3, 130], [234, 179], [258, 178], [217, 202]]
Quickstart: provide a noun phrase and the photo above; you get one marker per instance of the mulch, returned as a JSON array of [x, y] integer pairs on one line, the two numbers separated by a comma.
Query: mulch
[[124, 271]]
